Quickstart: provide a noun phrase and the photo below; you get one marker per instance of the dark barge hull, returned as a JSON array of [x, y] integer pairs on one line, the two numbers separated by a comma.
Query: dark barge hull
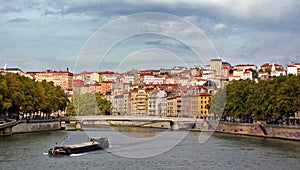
[[94, 144]]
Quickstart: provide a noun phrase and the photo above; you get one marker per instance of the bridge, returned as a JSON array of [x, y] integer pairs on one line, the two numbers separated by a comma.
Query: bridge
[[6, 128], [123, 120]]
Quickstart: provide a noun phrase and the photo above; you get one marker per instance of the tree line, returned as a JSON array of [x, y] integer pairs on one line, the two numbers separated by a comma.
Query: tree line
[[88, 104], [21, 96], [271, 100]]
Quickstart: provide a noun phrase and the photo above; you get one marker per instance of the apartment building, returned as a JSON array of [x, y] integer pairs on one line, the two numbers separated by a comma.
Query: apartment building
[[199, 105], [157, 103], [118, 104], [139, 101], [59, 78]]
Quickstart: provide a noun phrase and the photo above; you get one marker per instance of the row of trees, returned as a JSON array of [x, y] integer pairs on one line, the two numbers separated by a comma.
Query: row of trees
[[20, 95], [88, 104], [276, 99]]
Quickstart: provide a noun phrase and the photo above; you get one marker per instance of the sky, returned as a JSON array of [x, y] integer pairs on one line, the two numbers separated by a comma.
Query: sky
[[95, 35]]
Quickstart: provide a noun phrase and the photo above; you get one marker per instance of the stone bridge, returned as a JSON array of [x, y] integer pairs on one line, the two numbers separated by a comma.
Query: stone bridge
[[142, 121], [6, 128]]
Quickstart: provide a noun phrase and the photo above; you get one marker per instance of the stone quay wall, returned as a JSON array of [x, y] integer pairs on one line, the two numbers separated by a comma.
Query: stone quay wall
[[261, 130], [27, 126]]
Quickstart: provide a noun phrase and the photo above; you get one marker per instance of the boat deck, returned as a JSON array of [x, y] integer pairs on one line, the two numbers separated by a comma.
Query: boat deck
[[82, 144]]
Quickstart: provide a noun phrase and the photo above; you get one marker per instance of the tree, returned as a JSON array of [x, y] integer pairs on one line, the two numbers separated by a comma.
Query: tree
[[70, 110], [288, 97], [238, 104], [20, 95], [217, 103], [276, 99], [103, 104]]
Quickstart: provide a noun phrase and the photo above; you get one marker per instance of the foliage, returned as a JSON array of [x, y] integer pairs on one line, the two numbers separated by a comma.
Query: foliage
[[276, 98], [91, 104], [70, 110], [217, 103], [20, 95]]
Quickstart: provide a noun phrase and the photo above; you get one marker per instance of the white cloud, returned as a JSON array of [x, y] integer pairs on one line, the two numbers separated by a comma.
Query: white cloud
[[219, 26]]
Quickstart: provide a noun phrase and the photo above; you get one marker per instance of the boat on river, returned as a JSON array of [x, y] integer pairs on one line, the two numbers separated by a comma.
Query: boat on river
[[92, 145]]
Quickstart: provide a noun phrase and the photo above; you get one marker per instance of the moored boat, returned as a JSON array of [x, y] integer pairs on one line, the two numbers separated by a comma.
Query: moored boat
[[92, 145]]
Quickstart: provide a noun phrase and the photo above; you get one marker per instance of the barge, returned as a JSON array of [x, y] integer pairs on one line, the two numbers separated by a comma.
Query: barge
[[92, 145]]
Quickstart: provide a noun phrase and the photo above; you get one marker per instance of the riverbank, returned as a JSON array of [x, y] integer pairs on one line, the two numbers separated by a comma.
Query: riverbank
[[260, 130], [257, 130]]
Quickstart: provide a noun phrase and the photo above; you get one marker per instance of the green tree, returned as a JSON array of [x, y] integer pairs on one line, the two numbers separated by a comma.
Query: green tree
[[104, 105], [217, 104], [238, 104], [288, 97], [70, 110], [20, 95]]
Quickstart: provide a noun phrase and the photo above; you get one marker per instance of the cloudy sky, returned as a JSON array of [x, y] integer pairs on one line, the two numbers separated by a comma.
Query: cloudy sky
[[119, 35]]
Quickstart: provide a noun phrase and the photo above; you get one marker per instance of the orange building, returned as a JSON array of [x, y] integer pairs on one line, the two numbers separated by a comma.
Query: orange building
[[105, 86]]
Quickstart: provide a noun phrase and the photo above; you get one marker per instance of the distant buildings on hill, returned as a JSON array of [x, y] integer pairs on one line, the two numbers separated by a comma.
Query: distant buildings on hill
[[179, 91]]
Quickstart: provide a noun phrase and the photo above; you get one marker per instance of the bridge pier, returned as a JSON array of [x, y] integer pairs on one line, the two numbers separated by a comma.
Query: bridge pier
[[175, 126], [7, 131], [78, 126]]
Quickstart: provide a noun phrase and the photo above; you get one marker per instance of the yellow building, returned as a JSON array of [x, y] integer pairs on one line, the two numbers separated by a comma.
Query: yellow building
[[199, 105], [170, 79], [95, 77], [59, 78], [172, 106], [139, 102], [203, 101]]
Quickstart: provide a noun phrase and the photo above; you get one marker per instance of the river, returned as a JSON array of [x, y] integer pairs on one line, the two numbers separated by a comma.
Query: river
[[145, 148]]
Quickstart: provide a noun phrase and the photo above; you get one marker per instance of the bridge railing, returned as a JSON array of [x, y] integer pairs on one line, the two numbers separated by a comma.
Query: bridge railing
[[8, 124], [127, 117]]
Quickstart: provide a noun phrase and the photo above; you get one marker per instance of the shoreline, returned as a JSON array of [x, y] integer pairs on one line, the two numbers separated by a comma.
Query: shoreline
[[260, 136], [290, 133]]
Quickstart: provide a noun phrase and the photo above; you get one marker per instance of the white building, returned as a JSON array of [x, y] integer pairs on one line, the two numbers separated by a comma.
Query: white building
[[150, 79], [263, 75], [176, 70], [277, 72], [238, 73], [129, 79], [247, 75], [12, 70], [184, 81], [208, 74], [118, 104], [293, 68], [126, 104], [245, 66], [157, 103]]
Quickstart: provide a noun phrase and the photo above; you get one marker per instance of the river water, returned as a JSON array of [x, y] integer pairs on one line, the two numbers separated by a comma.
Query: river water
[[143, 148]]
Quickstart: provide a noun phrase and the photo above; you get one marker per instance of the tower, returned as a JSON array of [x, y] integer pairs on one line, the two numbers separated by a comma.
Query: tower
[[273, 70]]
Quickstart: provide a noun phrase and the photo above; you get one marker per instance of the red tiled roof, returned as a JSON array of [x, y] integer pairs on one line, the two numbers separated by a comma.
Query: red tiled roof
[[106, 72], [241, 65]]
